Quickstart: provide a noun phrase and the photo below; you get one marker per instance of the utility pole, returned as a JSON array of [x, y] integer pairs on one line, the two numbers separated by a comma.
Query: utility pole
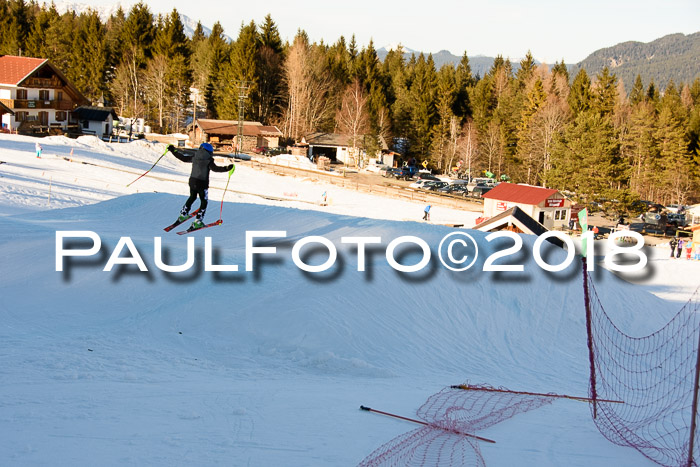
[[194, 91], [243, 87]]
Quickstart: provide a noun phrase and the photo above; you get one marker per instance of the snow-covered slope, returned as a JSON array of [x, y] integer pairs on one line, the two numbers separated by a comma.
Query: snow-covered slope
[[268, 367]]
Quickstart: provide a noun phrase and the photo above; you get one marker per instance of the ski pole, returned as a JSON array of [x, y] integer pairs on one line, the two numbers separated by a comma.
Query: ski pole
[[154, 164], [230, 172], [362, 407], [557, 396]]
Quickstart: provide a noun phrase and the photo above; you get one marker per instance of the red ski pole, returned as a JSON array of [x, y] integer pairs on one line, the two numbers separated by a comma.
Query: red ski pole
[[221, 211], [425, 423], [154, 164]]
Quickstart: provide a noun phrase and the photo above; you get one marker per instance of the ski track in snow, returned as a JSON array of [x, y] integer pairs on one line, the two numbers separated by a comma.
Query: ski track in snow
[[269, 368]]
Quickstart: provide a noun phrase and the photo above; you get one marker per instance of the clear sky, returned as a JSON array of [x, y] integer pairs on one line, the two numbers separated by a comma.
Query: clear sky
[[551, 29]]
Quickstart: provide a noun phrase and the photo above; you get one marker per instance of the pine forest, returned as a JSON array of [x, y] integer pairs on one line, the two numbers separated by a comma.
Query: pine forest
[[591, 135]]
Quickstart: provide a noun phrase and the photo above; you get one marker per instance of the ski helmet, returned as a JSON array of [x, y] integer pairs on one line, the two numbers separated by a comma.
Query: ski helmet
[[207, 147]]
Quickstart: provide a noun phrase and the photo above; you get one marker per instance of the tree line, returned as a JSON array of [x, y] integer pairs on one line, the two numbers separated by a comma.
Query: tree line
[[537, 125]]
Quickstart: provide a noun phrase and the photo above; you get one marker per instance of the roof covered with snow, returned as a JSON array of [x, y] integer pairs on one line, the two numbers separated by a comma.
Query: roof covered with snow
[[524, 194]]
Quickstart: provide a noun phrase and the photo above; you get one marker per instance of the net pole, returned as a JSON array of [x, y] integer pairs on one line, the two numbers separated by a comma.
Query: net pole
[[589, 332], [693, 425]]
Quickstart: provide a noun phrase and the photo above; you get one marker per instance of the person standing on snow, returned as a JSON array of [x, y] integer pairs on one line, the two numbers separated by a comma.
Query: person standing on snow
[[202, 163], [37, 146], [673, 244], [426, 213]]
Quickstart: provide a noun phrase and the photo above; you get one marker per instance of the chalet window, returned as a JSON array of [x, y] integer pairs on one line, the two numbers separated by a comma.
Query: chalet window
[[86, 124], [60, 116], [20, 116], [43, 95], [59, 95], [21, 94]]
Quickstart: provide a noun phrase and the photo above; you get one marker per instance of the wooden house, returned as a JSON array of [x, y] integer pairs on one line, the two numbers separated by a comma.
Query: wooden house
[[222, 134], [38, 94]]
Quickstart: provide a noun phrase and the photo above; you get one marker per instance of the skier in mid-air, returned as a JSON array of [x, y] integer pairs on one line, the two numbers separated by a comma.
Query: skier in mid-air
[[202, 162]]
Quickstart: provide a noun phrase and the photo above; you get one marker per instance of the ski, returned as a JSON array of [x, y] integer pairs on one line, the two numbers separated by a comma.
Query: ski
[[176, 223], [184, 232]]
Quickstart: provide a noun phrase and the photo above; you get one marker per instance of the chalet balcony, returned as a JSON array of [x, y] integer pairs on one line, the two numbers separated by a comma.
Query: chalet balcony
[[26, 104]]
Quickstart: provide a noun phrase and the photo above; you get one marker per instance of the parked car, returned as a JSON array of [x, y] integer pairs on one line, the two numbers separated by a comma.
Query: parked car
[[677, 220], [434, 185], [479, 191], [426, 176], [390, 172], [376, 168], [471, 187], [675, 208], [419, 183], [406, 173], [458, 189], [260, 150]]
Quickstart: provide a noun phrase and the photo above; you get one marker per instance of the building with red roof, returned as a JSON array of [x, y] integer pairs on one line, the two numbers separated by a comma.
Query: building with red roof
[[547, 206], [38, 94]]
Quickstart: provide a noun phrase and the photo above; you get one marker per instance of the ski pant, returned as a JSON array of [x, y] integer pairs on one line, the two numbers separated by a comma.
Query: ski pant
[[197, 188]]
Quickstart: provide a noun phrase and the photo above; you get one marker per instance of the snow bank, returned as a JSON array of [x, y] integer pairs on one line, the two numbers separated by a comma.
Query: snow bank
[[288, 160]]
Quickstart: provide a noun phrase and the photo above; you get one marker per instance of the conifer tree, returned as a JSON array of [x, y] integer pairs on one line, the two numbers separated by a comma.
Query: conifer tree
[[653, 93], [605, 92], [36, 44], [464, 81], [637, 93], [18, 28], [446, 92], [641, 150], [219, 52], [528, 144], [678, 169], [526, 70], [580, 95], [422, 92], [90, 56], [586, 158], [270, 70], [560, 69], [242, 70], [139, 32]]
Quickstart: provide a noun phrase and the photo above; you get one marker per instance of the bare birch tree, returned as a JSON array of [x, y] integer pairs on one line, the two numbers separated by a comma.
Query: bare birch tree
[[308, 86], [468, 145], [352, 118], [156, 84]]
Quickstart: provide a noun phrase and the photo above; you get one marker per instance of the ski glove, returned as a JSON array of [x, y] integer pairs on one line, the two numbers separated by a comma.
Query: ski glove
[[231, 168], [171, 149]]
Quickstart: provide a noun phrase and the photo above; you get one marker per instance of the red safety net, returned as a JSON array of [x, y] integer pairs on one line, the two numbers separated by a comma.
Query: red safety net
[[451, 414], [655, 376]]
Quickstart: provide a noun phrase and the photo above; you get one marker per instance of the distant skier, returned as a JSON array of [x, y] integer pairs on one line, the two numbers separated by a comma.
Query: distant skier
[[202, 162], [38, 148], [426, 213]]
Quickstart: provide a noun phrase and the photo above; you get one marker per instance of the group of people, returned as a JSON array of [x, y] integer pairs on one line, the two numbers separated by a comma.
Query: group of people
[[692, 251]]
